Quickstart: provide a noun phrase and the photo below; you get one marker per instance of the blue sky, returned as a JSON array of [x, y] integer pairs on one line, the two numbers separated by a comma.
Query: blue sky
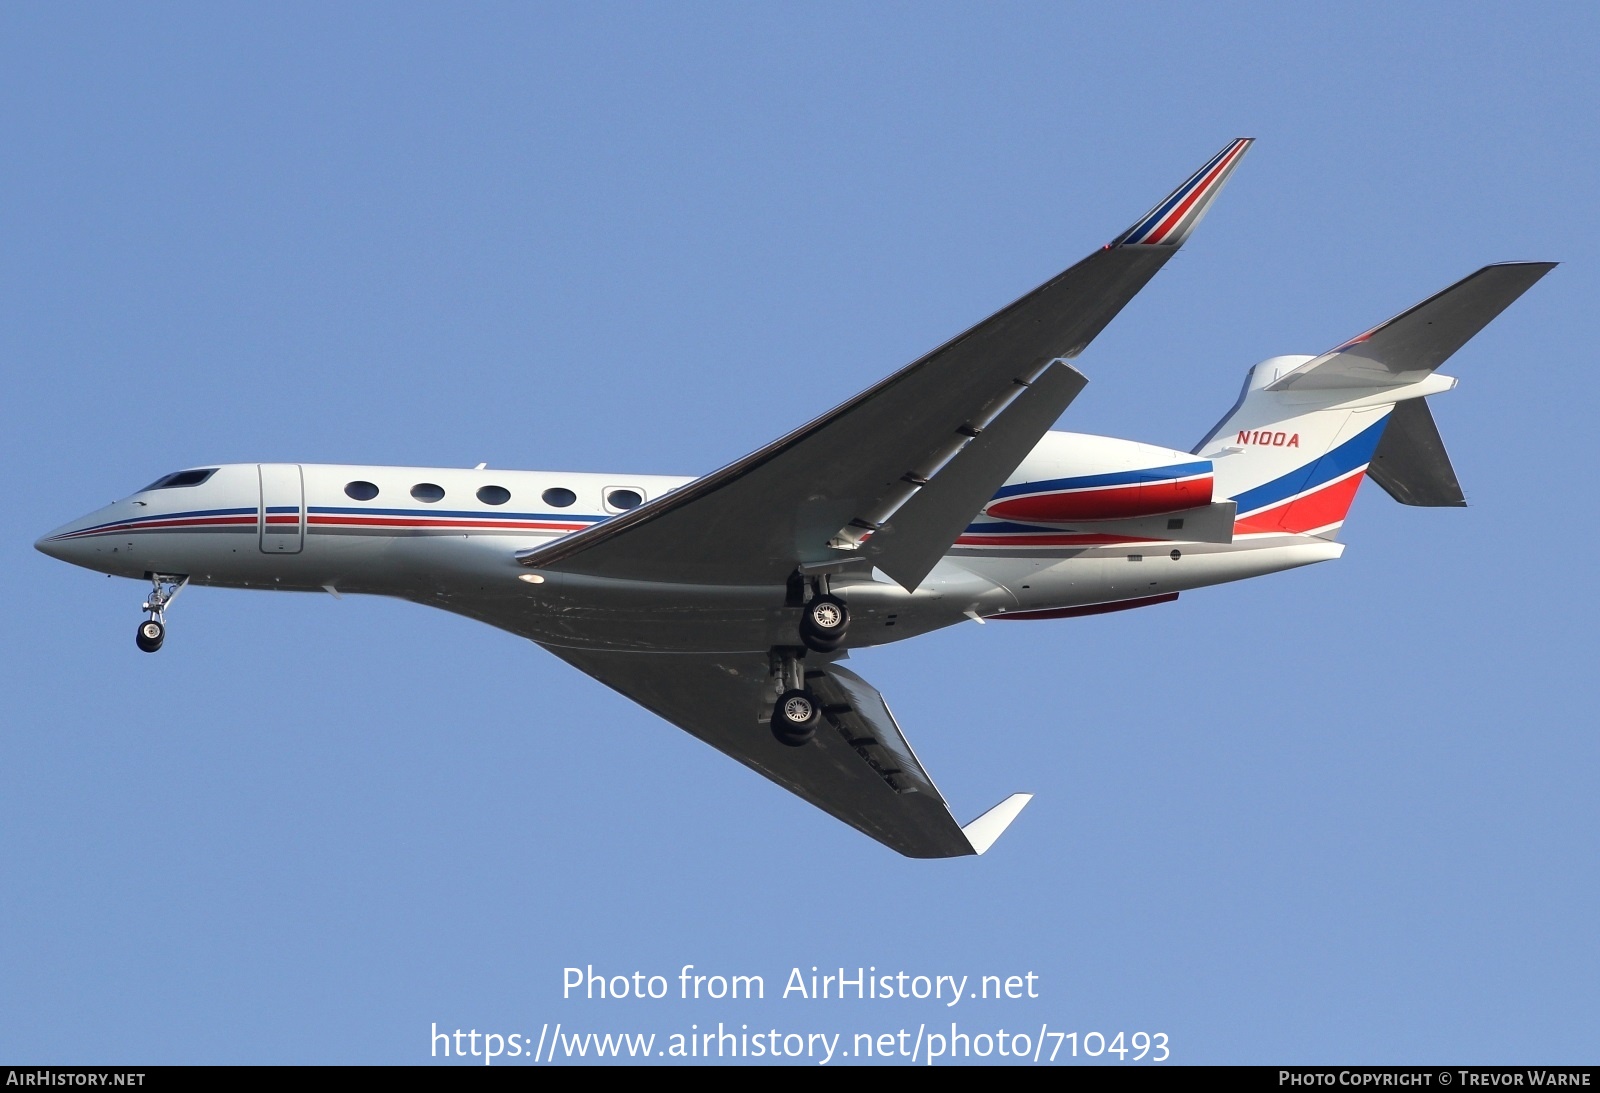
[[1346, 813]]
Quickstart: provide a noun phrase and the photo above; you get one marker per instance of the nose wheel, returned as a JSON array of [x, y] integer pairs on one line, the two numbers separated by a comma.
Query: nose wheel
[[164, 588], [150, 636]]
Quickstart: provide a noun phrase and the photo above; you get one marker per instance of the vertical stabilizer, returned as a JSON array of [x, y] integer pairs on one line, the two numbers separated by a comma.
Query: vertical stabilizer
[[1293, 450]]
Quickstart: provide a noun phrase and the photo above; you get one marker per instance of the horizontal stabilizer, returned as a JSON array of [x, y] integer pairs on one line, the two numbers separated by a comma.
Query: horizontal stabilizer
[[983, 831], [1410, 462], [1211, 523], [921, 531], [1411, 345]]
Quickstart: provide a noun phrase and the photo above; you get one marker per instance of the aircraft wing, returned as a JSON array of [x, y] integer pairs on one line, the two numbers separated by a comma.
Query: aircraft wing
[[858, 767], [814, 495]]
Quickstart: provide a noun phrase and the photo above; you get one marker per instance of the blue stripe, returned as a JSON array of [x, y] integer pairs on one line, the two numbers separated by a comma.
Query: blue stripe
[[1353, 453], [1183, 191], [1115, 478], [997, 526], [168, 516]]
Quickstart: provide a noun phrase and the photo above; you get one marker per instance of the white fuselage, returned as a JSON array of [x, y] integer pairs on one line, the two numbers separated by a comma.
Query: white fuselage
[[449, 538]]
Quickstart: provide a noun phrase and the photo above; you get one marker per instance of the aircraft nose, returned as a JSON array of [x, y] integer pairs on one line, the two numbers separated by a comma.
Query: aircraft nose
[[67, 543], [56, 544]]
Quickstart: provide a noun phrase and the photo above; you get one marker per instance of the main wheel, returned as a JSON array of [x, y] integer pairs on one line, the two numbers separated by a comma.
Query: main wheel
[[794, 718], [828, 615], [823, 623], [150, 636]]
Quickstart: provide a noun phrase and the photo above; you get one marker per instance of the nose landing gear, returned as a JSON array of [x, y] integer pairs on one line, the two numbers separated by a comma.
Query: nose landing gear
[[164, 589]]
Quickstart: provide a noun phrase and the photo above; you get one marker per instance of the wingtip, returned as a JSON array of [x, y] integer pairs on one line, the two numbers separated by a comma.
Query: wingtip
[[1175, 217], [983, 831]]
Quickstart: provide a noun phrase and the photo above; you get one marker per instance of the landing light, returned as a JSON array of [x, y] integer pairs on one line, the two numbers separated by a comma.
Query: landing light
[[531, 578]]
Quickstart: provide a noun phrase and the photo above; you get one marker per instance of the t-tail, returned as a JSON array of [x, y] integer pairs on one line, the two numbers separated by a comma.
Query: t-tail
[[1306, 430]]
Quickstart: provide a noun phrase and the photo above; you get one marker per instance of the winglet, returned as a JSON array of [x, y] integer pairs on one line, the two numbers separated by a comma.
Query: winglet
[[983, 831], [1170, 222]]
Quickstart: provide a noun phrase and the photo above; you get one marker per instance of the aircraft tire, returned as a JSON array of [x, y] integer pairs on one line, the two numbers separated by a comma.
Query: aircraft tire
[[816, 642], [827, 616], [823, 624], [150, 635], [792, 738], [796, 714]]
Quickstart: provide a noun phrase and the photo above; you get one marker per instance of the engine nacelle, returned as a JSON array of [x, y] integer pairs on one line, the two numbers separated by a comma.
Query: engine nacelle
[[1073, 477]]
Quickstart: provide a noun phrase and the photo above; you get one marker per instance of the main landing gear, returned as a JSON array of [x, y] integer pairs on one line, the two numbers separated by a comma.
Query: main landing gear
[[824, 618], [795, 715], [164, 589], [823, 622]]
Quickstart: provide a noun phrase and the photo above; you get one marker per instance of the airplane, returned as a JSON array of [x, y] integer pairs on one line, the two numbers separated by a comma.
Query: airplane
[[727, 603]]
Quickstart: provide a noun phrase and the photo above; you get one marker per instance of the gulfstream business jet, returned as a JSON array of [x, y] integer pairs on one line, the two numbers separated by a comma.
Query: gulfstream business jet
[[728, 603]]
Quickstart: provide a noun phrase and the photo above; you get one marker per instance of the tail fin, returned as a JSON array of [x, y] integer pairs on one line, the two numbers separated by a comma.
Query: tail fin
[[1293, 450]]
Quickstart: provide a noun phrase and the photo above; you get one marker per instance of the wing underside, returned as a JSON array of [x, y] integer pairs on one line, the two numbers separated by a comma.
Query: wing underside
[[858, 768]]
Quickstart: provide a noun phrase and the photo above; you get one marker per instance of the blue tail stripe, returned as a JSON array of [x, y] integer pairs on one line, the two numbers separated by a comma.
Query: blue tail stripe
[[1353, 453]]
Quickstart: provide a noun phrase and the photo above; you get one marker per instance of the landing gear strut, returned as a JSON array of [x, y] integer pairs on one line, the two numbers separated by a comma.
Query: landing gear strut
[[164, 588], [796, 714]]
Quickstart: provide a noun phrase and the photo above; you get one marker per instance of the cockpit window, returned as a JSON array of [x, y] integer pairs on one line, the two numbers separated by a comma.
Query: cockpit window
[[181, 478]]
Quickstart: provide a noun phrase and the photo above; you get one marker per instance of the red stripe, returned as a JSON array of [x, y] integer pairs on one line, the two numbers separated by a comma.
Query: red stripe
[[394, 521], [1106, 503], [1177, 214], [1047, 540], [1092, 609], [144, 524], [1315, 510]]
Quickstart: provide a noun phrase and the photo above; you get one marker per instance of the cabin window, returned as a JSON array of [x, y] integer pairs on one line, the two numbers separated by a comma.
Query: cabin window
[[427, 492], [181, 478], [624, 499], [360, 491], [558, 497], [494, 495]]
